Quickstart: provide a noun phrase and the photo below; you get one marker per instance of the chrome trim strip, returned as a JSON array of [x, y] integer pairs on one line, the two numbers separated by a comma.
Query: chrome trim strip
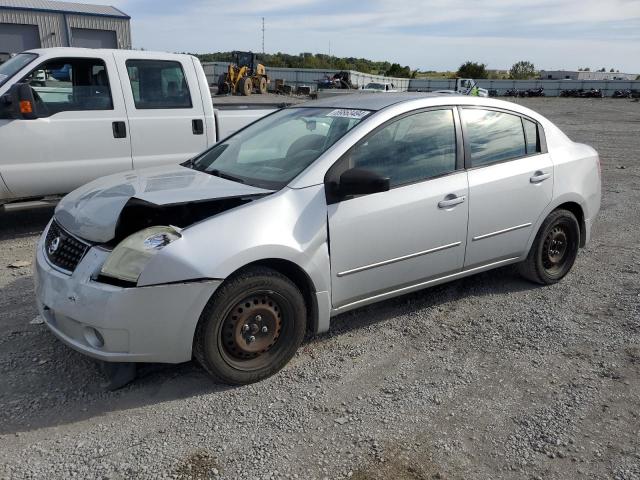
[[418, 286], [398, 259], [499, 232]]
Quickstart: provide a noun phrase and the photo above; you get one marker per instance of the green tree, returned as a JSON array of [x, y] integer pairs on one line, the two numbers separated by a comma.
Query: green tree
[[472, 70], [522, 70], [395, 70]]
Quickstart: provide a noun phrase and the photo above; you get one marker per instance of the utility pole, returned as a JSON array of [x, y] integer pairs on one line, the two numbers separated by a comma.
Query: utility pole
[[263, 35]]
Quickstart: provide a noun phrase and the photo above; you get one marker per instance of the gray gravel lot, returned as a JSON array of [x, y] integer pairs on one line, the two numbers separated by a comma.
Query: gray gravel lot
[[487, 377]]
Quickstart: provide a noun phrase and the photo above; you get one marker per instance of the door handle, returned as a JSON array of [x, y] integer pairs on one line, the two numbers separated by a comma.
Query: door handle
[[197, 127], [119, 129], [451, 201], [539, 176]]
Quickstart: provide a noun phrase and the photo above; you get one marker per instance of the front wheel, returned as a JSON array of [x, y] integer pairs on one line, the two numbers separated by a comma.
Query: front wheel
[[251, 327], [554, 249]]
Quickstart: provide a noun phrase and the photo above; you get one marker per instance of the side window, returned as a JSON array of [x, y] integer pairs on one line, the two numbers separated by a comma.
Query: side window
[[493, 136], [413, 148], [532, 136], [70, 84], [158, 84]]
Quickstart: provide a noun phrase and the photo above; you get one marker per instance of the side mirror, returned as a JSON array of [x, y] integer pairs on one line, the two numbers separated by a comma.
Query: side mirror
[[22, 101], [358, 181]]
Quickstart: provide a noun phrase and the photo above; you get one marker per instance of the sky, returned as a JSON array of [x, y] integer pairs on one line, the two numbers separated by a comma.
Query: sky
[[424, 34]]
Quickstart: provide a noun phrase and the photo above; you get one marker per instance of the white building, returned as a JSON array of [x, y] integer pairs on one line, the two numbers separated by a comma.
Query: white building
[[581, 75]]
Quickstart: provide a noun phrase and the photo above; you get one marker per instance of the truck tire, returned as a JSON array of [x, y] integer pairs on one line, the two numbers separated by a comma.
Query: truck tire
[[251, 327], [554, 249], [245, 86], [262, 86], [223, 86]]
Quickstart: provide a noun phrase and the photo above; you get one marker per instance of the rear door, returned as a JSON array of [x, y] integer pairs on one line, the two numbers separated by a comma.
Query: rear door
[[81, 132], [510, 183], [165, 109]]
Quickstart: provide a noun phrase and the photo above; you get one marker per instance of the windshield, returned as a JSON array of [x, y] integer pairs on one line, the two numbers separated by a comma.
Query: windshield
[[14, 65], [375, 86], [274, 150]]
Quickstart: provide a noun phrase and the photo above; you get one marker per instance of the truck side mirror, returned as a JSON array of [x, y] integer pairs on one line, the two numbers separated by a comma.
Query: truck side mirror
[[22, 101]]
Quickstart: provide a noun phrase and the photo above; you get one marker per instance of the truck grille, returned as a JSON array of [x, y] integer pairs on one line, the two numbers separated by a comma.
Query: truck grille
[[63, 250]]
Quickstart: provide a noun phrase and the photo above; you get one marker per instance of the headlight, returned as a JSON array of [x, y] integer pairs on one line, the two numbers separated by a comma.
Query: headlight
[[129, 258]]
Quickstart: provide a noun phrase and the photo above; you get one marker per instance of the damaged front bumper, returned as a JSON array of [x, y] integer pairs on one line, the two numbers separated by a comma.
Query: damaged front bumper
[[115, 324]]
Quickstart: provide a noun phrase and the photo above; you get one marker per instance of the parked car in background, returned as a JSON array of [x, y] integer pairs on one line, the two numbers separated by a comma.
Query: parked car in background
[[379, 87], [308, 213], [70, 115]]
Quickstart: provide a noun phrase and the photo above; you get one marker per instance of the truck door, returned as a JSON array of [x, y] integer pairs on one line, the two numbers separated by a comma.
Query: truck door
[[80, 133], [165, 108]]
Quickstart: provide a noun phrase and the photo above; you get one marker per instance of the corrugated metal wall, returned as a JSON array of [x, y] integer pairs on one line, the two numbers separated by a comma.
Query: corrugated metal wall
[[53, 32], [50, 25], [307, 77], [118, 25], [310, 77], [552, 88]]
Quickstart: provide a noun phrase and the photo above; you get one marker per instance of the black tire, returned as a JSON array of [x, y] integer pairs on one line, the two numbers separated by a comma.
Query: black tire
[[554, 249], [262, 86], [256, 298], [245, 86], [222, 84]]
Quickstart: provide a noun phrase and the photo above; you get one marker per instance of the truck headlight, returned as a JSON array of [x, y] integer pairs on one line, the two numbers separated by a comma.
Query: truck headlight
[[130, 256]]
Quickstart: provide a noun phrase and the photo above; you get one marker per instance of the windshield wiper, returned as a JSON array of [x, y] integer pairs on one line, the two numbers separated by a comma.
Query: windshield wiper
[[226, 176]]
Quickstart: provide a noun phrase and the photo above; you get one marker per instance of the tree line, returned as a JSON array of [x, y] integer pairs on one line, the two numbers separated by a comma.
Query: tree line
[[319, 61], [522, 70]]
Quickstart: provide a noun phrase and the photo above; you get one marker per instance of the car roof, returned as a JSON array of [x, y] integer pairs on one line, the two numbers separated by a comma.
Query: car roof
[[366, 101]]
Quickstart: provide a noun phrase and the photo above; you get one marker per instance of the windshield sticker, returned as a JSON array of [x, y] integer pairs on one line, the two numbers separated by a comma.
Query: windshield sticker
[[343, 113]]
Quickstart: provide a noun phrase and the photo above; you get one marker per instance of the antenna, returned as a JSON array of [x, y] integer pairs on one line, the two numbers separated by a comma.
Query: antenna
[[263, 35]]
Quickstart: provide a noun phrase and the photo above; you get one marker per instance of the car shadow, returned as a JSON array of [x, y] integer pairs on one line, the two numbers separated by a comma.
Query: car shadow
[[43, 383], [24, 223]]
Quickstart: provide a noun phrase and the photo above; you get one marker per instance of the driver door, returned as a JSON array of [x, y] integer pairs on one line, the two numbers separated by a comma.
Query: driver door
[[412, 233], [78, 102]]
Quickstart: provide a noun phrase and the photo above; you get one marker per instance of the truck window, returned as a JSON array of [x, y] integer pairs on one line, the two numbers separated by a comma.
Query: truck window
[[70, 84], [158, 84]]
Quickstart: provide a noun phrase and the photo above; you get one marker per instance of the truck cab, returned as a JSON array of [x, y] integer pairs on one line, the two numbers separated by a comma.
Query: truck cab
[[70, 115]]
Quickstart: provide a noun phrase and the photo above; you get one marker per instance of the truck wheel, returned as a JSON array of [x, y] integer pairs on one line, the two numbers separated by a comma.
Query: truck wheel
[[262, 86], [251, 327], [246, 86], [554, 249]]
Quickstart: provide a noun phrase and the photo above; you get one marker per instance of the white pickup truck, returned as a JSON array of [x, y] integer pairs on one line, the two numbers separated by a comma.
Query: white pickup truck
[[70, 115]]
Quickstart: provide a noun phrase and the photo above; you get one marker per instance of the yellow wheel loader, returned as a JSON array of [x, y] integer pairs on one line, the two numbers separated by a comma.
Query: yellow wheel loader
[[244, 76]]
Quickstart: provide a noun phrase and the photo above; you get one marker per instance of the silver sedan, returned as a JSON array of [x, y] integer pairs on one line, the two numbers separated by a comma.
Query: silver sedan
[[310, 212]]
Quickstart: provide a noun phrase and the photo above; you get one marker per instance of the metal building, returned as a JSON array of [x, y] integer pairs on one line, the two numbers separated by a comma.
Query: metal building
[[584, 75], [27, 24]]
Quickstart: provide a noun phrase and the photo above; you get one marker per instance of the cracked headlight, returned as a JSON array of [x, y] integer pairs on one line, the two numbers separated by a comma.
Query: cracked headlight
[[130, 256]]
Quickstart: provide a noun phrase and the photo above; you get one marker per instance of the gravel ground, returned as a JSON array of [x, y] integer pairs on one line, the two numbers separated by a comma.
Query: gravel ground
[[487, 377]]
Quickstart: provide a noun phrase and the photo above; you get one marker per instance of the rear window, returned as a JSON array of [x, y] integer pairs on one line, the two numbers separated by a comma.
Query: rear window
[[493, 136], [532, 136], [158, 84]]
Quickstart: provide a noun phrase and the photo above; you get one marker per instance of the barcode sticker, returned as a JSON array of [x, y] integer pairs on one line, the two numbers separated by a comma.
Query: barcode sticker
[[345, 113]]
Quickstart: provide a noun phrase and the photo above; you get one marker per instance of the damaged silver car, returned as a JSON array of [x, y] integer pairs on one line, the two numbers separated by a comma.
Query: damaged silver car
[[309, 212]]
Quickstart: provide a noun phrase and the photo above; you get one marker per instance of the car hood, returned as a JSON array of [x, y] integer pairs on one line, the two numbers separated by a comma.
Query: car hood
[[92, 212]]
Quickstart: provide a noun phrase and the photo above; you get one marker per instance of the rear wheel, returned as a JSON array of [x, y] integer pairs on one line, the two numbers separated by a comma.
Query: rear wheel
[[262, 86], [245, 86], [554, 249], [251, 327]]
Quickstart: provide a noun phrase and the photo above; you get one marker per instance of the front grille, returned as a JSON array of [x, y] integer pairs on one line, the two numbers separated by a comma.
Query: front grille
[[63, 250]]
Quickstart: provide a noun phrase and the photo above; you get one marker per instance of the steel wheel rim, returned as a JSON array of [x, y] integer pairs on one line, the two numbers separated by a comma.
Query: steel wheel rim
[[263, 315], [556, 250]]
